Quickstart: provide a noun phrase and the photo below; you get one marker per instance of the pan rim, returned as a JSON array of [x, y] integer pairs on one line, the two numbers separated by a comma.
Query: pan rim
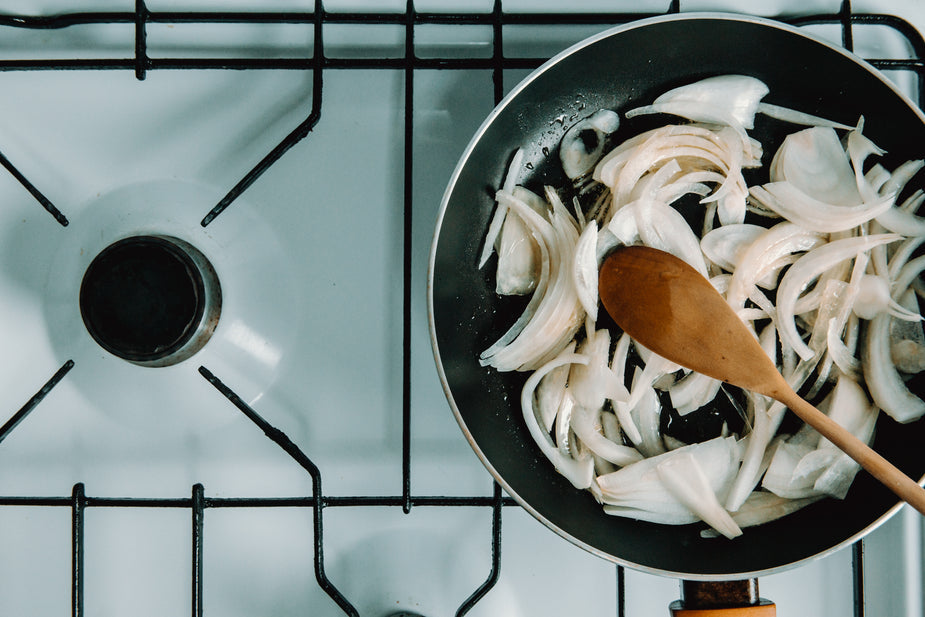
[[454, 177]]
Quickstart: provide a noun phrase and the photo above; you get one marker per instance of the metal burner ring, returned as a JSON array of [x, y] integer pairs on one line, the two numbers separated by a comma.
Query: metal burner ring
[[151, 300]]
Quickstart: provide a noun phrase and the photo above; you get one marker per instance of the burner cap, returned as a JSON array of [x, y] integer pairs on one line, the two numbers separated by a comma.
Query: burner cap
[[151, 300]]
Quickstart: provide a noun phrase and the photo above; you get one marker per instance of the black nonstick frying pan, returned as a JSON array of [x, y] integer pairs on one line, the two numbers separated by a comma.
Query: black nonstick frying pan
[[620, 69]]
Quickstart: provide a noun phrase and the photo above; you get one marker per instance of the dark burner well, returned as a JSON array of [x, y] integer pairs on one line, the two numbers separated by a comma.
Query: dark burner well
[[143, 299]]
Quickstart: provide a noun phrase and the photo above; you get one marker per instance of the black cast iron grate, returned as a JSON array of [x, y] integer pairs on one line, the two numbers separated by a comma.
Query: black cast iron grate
[[317, 64]]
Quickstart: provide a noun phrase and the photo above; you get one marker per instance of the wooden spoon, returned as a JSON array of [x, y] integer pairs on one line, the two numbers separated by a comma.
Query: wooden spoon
[[669, 308]]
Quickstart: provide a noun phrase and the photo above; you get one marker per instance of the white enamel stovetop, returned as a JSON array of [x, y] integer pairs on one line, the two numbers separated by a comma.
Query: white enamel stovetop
[[311, 261]]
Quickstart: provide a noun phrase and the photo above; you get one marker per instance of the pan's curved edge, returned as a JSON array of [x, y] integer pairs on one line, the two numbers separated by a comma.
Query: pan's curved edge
[[497, 111]]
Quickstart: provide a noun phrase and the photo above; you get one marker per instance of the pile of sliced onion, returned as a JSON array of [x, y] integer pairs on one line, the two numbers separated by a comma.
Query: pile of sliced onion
[[825, 279]]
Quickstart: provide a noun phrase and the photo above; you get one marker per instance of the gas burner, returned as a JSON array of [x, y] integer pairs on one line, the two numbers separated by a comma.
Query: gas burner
[[151, 300]]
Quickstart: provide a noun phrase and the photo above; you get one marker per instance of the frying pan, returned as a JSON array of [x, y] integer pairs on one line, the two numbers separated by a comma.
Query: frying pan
[[620, 69]]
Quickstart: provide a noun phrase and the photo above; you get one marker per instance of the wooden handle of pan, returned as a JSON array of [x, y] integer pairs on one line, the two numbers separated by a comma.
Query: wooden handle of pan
[[736, 598], [757, 610]]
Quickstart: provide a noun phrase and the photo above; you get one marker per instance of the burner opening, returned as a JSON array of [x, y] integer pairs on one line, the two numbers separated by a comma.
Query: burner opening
[[151, 300]]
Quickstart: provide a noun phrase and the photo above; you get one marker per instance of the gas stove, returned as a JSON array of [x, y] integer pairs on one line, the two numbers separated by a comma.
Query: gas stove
[[282, 445]]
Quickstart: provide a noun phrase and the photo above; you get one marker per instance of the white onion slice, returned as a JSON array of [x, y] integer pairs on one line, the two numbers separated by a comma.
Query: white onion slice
[[519, 255], [849, 406], [762, 256], [637, 491], [725, 245], [902, 222], [592, 383], [763, 507], [646, 416], [683, 477], [622, 409], [724, 99], [814, 162], [859, 149], [794, 205], [782, 477], [901, 176], [807, 269], [577, 153], [550, 391], [562, 429], [579, 472], [584, 269], [884, 382], [497, 220], [842, 356], [786, 114], [660, 226], [693, 392], [877, 177], [552, 322], [586, 423]]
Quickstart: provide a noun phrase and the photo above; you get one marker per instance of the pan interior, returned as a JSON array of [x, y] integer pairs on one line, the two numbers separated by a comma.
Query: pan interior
[[620, 70]]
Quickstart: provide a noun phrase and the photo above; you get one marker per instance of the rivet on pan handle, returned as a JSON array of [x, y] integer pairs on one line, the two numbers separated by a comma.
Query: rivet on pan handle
[[721, 599]]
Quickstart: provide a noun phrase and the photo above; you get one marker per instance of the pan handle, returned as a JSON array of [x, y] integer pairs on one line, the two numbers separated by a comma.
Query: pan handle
[[721, 599]]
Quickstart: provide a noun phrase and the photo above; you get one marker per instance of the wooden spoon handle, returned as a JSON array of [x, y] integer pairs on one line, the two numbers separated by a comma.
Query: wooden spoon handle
[[880, 468]]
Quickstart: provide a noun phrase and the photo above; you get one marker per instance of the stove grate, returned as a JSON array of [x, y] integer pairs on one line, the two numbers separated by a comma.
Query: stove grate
[[318, 63]]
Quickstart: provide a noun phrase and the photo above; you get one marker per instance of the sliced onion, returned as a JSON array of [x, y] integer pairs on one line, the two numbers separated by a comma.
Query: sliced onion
[[637, 491], [842, 356], [583, 144], [807, 269], [907, 339], [700, 149], [653, 155], [646, 416], [733, 96], [693, 392], [684, 478], [763, 507], [849, 406], [519, 256], [592, 383], [579, 472], [552, 322], [725, 245], [901, 176], [586, 423], [584, 269], [782, 478], [562, 430], [622, 409], [815, 163], [762, 256], [835, 213], [798, 117], [794, 205], [550, 391], [877, 177], [497, 220], [859, 149], [902, 222], [660, 226], [884, 382]]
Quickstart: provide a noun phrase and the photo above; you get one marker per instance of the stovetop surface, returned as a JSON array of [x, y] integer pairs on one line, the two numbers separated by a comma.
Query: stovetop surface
[[323, 333]]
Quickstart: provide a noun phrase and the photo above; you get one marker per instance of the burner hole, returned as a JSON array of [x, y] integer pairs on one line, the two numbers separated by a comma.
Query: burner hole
[[151, 300]]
